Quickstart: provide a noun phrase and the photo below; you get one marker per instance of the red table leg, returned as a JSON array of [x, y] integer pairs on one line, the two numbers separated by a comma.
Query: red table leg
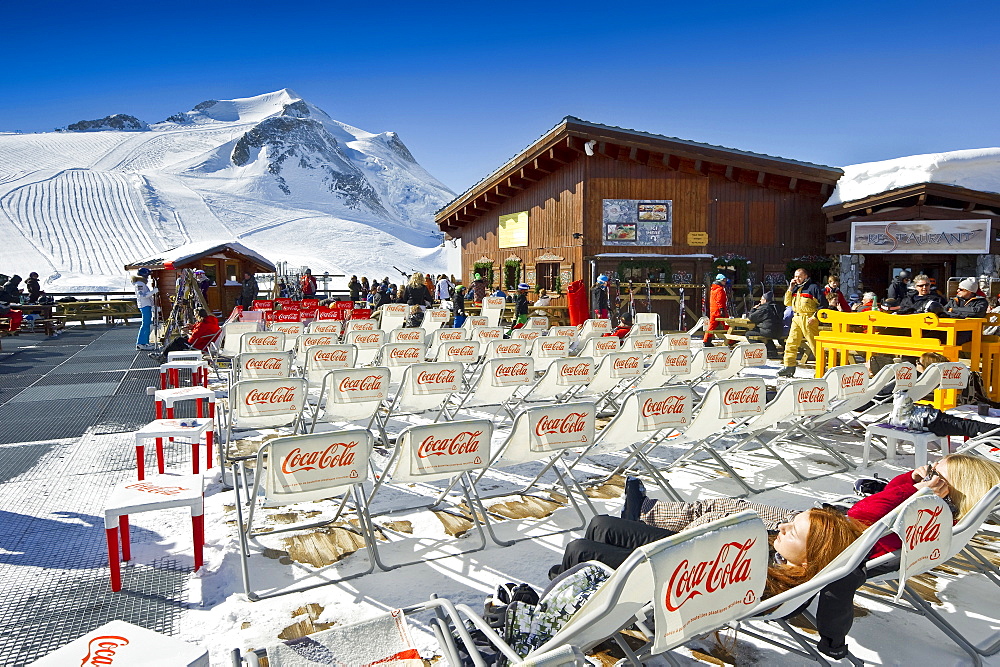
[[211, 409], [170, 412], [159, 455], [163, 379], [159, 409], [140, 461], [116, 573], [194, 455], [123, 532], [198, 525], [200, 406], [209, 441]]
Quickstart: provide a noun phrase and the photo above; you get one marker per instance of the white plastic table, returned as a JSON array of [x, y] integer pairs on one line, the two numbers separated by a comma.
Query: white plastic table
[[167, 398], [184, 355], [170, 373], [893, 435], [121, 643], [160, 492], [158, 429]]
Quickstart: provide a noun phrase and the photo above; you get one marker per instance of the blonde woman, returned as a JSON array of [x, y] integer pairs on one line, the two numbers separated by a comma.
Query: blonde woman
[[416, 293]]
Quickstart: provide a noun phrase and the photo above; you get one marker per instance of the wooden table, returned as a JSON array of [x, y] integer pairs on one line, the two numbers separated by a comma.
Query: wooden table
[[109, 310], [736, 328]]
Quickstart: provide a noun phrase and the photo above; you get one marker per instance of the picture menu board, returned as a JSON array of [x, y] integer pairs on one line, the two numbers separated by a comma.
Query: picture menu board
[[647, 222]]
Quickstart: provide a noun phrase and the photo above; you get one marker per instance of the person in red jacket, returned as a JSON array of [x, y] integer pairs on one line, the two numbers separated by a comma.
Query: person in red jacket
[[717, 307], [833, 287], [201, 333], [308, 283]]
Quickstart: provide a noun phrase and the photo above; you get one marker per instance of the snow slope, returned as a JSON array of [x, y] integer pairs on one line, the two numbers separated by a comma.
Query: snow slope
[[273, 171], [976, 169]]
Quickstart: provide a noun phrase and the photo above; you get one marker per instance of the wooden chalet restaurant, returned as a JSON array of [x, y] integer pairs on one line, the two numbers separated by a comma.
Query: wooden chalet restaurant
[[934, 228], [586, 199]]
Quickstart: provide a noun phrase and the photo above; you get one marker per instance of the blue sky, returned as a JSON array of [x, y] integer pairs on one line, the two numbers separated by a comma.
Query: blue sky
[[468, 85]]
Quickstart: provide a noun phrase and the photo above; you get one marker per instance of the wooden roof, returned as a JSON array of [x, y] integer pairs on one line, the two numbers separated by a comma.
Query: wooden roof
[[186, 255], [566, 142], [923, 195]]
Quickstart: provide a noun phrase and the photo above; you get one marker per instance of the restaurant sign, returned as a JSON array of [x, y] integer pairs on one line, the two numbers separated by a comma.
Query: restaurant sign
[[945, 237]]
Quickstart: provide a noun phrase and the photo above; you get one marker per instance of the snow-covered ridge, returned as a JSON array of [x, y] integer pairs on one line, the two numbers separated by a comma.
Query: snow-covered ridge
[[976, 169], [272, 171]]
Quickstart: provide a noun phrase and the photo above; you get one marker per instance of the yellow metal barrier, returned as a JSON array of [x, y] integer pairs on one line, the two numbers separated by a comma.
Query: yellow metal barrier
[[875, 332]]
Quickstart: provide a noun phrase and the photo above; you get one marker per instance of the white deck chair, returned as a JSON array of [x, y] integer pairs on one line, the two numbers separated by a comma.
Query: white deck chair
[[292, 331], [593, 327], [368, 343], [537, 322], [613, 370], [568, 331], [396, 357], [726, 406], [353, 396], [548, 349], [666, 367], [393, 316], [486, 334], [869, 403], [438, 337], [936, 377], [744, 355], [674, 341], [463, 351], [510, 347], [924, 525], [475, 321], [334, 327], [494, 384], [252, 316], [699, 325], [645, 414], [557, 382], [646, 583], [233, 336], [642, 344], [424, 386], [433, 452], [307, 340], [257, 365], [544, 434], [321, 359], [527, 334], [795, 600], [599, 347], [262, 341], [302, 468], [435, 318], [389, 642], [708, 362], [257, 404], [360, 325], [408, 335], [643, 319], [492, 310]]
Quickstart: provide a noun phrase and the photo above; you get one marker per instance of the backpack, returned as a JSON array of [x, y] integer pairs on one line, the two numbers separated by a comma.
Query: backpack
[[975, 393]]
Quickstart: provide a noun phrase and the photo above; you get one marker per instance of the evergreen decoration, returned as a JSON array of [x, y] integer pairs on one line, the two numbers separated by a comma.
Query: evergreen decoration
[[511, 273], [818, 266], [484, 269], [738, 264]]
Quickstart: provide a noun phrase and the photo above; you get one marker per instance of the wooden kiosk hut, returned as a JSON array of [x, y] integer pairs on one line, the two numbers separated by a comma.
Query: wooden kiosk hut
[[222, 261], [586, 199]]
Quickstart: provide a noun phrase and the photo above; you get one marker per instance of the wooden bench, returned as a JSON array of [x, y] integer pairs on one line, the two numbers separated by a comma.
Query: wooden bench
[[109, 311]]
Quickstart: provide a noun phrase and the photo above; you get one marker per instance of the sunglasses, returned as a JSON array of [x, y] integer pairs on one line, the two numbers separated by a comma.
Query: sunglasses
[[922, 285]]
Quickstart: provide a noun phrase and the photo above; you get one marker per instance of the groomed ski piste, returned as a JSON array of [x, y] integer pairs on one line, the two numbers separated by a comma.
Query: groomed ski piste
[[54, 573], [272, 172]]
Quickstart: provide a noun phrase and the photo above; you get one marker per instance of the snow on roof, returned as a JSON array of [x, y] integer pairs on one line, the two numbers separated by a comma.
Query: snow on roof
[[190, 251], [975, 169]]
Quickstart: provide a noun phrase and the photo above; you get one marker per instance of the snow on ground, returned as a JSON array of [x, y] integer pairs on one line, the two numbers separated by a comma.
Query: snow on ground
[[976, 169], [223, 618], [271, 171]]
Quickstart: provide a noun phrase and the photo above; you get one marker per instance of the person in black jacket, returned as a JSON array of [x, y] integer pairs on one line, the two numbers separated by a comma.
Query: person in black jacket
[[354, 286], [11, 292], [416, 293], [599, 298], [966, 302], [249, 290], [768, 317], [920, 302], [33, 287], [899, 287]]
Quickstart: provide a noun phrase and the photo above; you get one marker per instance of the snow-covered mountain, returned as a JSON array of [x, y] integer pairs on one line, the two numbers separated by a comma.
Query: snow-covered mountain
[[273, 171]]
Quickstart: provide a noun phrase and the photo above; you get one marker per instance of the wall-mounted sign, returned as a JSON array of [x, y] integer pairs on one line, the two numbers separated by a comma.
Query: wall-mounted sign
[[638, 222], [513, 232], [698, 238], [921, 237]]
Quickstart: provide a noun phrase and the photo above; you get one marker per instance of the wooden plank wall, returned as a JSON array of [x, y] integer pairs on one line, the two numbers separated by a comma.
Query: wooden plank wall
[[555, 207]]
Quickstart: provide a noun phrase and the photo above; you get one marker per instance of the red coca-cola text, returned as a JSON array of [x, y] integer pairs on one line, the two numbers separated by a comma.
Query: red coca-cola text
[[689, 580]]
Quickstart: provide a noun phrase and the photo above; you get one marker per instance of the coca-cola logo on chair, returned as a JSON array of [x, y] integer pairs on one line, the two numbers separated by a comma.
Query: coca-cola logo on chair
[[317, 463], [513, 372], [560, 426], [448, 448], [360, 384], [664, 407], [741, 398], [271, 397]]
